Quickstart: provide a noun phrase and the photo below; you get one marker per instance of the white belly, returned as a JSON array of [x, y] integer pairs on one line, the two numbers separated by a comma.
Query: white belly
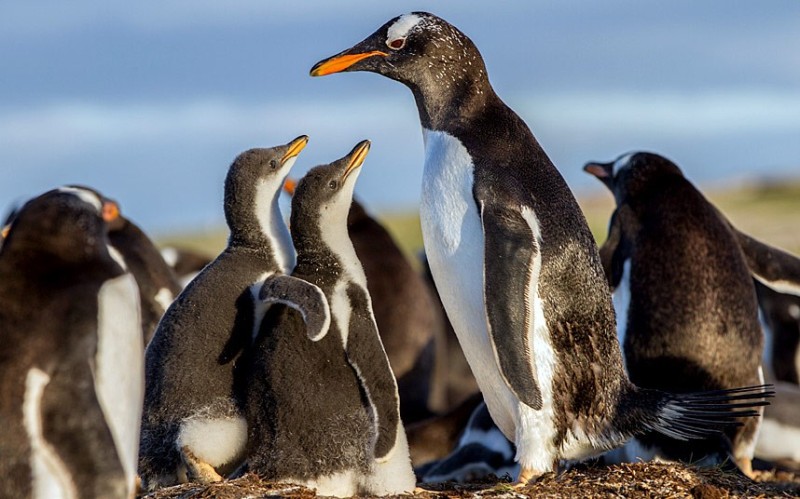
[[454, 246], [622, 300], [119, 376]]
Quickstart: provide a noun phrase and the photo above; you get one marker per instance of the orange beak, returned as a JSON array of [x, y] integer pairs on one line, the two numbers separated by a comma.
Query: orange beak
[[357, 158], [289, 185], [110, 211], [341, 62], [4, 232], [295, 147]]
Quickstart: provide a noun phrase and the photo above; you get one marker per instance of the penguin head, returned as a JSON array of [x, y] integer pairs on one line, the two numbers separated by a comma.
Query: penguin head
[[322, 199], [68, 223], [419, 49], [633, 174], [253, 185]]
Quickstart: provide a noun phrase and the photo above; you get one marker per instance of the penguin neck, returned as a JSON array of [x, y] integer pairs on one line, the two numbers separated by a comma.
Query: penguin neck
[[324, 242], [257, 224], [456, 97]]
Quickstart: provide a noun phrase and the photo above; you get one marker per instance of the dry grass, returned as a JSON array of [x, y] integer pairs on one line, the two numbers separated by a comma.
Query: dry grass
[[640, 480]]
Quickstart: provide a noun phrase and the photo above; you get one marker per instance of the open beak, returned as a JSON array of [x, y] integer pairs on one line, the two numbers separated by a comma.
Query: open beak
[[357, 157], [342, 61], [289, 185], [110, 211], [295, 147]]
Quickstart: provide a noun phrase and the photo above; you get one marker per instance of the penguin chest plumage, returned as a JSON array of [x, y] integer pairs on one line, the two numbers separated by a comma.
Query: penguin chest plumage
[[454, 244], [119, 374]]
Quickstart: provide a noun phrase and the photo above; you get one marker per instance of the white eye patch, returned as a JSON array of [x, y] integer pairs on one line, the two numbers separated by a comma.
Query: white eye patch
[[401, 28], [85, 196]]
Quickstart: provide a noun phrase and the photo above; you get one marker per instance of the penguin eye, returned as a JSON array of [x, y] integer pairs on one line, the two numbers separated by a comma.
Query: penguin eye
[[273, 164], [333, 184], [396, 44]]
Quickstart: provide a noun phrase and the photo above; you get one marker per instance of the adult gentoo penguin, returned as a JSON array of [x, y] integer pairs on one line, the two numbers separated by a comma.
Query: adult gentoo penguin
[[406, 311], [192, 427], [325, 413], [514, 261], [158, 284], [669, 255], [69, 381]]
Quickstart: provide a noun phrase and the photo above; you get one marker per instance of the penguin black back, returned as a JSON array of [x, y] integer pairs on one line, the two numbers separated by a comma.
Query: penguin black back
[[52, 267], [691, 308]]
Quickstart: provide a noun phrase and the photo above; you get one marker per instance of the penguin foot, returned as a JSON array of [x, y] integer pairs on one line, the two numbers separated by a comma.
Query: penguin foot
[[196, 470], [528, 475], [746, 465]]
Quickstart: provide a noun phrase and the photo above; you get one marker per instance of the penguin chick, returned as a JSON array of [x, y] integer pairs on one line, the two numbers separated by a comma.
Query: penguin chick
[[71, 375], [515, 264], [669, 256], [406, 311], [192, 427], [325, 413]]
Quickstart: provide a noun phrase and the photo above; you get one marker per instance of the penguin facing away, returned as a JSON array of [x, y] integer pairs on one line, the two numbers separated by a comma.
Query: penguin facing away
[[62, 289], [324, 412], [668, 257], [405, 309], [158, 284], [515, 263], [193, 427]]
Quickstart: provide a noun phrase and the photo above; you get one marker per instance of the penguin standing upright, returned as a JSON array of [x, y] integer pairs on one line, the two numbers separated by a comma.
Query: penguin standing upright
[[192, 427], [157, 282], [406, 311], [514, 261], [325, 413], [684, 297], [71, 376]]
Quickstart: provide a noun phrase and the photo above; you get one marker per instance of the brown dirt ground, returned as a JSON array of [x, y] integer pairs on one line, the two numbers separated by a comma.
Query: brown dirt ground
[[640, 480]]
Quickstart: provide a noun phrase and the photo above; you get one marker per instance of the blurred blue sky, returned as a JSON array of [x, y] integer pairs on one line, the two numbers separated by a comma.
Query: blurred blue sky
[[150, 101]]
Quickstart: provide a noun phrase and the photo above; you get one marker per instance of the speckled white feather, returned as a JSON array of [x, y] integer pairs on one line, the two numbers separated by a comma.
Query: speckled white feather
[[402, 27]]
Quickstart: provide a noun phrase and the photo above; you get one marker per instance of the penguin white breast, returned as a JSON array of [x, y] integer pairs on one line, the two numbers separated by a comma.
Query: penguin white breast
[[119, 375], [51, 479], [454, 245], [622, 301]]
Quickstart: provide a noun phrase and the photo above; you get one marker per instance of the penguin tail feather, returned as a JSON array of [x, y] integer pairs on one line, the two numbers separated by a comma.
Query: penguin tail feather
[[698, 415]]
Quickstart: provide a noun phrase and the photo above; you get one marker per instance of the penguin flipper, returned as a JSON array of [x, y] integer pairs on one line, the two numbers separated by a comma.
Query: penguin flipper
[[302, 296], [612, 253], [510, 273], [772, 267], [366, 354]]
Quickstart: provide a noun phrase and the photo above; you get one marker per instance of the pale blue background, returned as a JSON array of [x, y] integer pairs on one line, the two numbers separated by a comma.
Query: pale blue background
[[149, 101]]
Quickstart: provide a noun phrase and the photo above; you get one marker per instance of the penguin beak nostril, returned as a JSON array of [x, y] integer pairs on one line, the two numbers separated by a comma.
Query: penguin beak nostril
[[357, 157], [341, 62], [295, 147]]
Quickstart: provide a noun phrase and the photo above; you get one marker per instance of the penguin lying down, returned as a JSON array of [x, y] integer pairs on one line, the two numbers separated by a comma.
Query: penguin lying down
[[322, 404]]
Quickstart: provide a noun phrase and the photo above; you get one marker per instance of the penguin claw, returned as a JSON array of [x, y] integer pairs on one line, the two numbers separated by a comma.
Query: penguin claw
[[198, 471]]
